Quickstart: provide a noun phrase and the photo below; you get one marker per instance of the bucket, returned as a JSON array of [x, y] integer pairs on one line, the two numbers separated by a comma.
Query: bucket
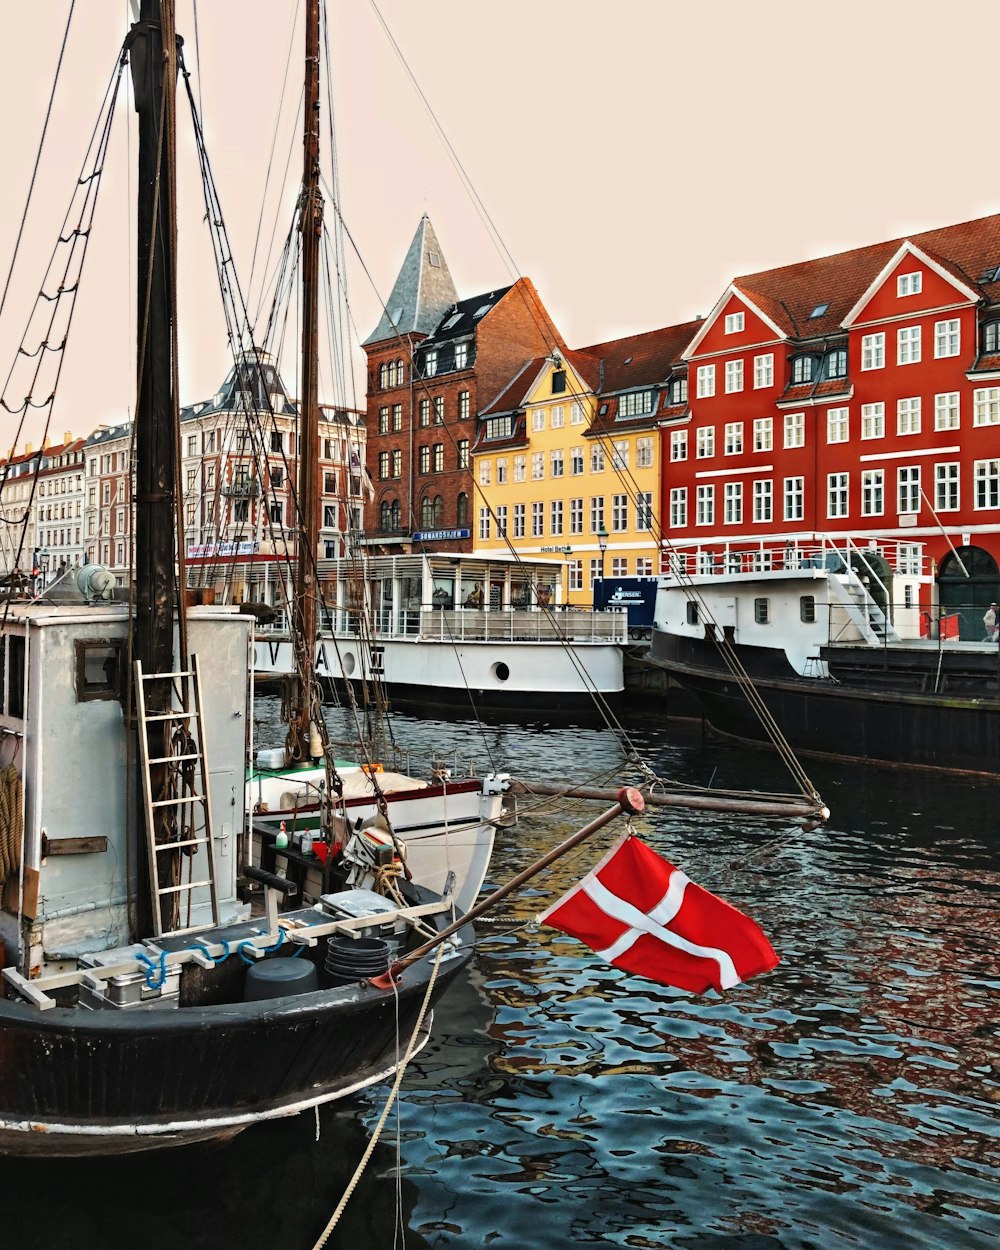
[[355, 959], [276, 978]]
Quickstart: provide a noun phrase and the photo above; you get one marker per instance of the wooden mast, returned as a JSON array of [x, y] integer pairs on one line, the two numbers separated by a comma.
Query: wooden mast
[[153, 63], [311, 225]]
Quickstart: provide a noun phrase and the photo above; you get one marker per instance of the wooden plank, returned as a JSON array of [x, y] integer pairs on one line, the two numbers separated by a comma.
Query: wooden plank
[[73, 846]]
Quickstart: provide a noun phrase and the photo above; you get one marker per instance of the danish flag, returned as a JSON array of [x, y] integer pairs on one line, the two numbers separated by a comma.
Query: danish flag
[[645, 916]]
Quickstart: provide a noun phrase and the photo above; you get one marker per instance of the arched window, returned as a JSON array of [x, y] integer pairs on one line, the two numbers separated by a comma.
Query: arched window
[[389, 514], [803, 368], [438, 510], [836, 363], [991, 337], [383, 376], [462, 513], [427, 513]]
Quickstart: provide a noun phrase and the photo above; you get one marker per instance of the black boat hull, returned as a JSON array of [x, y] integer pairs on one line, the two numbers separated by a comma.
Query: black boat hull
[[892, 722]]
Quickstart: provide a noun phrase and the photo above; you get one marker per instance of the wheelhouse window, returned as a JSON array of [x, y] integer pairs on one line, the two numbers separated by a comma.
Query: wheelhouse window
[[761, 611], [98, 669], [807, 609]]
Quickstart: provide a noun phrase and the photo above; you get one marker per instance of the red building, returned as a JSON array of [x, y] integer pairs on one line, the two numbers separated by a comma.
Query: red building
[[857, 393]]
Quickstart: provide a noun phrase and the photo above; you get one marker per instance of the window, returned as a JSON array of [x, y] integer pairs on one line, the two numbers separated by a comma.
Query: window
[[678, 507], [946, 487], [558, 416], [987, 479], [679, 391], [383, 465], [424, 410], [595, 572], [734, 376], [908, 488], [576, 413], [537, 466], [733, 503], [947, 338], [463, 456], [835, 365], [705, 499], [734, 323], [837, 427], [705, 442], [636, 404], [519, 520], [619, 566], [795, 429], [873, 420], [537, 420], [397, 418], [397, 463], [678, 445], [763, 434], [873, 351], [461, 355], [277, 512], [463, 405], [439, 410], [556, 464], [986, 405], [946, 411], [644, 510], [503, 472], [761, 612], [836, 495], [643, 453], [763, 493], [734, 438], [424, 464], [520, 468], [484, 522], [807, 609], [576, 461], [330, 516], [619, 513], [991, 337], [558, 381], [431, 363], [383, 420], [908, 345], [576, 516], [706, 381], [763, 371], [596, 458], [803, 368], [872, 492], [98, 671], [908, 415], [484, 472], [644, 566], [596, 513], [909, 283], [908, 559], [556, 517], [575, 569], [439, 457], [537, 519], [462, 510], [277, 440], [501, 516]]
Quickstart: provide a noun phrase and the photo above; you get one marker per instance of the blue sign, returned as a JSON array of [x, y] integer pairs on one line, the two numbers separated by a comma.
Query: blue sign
[[436, 536], [637, 594]]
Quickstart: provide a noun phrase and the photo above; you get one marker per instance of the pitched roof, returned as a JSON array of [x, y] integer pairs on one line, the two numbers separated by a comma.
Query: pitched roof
[[641, 359], [970, 251], [422, 291], [462, 316]]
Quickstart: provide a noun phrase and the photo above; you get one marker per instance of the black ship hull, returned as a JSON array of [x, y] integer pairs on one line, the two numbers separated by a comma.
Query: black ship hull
[[878, 707]]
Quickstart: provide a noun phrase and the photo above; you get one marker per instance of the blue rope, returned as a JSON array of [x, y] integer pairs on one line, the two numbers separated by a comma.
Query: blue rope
[[216, 959], [264, 950], [151, 968]]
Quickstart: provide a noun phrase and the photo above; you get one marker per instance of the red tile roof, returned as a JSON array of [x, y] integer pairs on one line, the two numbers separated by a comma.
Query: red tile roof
[[642, 359]]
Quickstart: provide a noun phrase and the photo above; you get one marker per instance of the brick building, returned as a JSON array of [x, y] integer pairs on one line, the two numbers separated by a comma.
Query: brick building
[[857, 393], [433, 362]]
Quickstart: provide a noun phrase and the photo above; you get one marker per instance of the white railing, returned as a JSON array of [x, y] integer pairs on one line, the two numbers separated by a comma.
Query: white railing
[[576, 625], [813, 551]]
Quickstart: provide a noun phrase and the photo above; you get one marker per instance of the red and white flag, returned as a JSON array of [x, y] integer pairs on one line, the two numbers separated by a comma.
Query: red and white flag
[[645, 916]]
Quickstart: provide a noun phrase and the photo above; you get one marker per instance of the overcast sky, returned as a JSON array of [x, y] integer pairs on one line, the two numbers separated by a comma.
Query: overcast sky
[[633, 157]]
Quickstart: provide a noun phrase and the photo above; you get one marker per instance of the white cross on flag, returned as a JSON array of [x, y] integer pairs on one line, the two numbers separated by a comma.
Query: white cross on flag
[[645, 916]]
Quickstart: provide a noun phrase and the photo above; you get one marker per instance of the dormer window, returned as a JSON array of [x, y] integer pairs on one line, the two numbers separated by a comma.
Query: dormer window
[[461, 355], [734, 323], [803, 369], [431, 363], [909, 283], [679, 391], [836, 363], [991, 337], [558, 381]]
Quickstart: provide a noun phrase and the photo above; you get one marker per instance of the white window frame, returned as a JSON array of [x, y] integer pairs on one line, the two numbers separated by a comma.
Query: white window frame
[[705, 381], [794, 429], [909, 346], [872, 492], [537, 420], [909, 283], [793, 498], [947, 486], [704, 442], [735, 323], [838, 496], [643, 453], [763, 501], [873, 351], [763, 371], [908, 415], [908, 488], [732, 509], [763, 434], [873, 420], [619, 514], [678, 507], [986, 405], [597, 459], [734, 438], [947, 415], [986, 476], [947, 338], [705, 503], [734, 376], [838, 428]]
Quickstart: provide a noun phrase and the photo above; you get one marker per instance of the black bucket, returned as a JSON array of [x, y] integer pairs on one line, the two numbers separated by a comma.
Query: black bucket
[[355, 959], [276, 978]]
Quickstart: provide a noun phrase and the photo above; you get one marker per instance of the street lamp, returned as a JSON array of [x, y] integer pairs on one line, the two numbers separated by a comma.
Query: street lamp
[[602, 542]]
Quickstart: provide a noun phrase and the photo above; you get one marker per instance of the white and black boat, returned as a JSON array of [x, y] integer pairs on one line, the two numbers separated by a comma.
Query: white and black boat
[[843, 642], [143, 1003]]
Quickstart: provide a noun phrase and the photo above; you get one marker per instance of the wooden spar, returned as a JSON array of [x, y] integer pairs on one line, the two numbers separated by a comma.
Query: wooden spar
[[792, 808], [311, 225], [628, 801]]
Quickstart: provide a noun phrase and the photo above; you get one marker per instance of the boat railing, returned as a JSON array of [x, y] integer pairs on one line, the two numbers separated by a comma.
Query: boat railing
[[832, 552], [576, 625]]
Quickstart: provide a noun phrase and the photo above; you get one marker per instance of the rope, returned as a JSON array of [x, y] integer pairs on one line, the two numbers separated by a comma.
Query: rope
[[400, 1073], [11, 822]]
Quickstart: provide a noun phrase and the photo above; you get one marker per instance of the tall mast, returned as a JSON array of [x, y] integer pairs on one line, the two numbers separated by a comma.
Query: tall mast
[[311, 225], [153, 61]]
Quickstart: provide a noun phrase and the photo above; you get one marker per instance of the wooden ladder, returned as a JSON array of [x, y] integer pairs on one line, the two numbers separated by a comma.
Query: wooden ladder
[[182, 683]]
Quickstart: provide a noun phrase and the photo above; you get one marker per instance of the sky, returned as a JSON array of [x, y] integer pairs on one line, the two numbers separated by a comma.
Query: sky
[[631, 159]]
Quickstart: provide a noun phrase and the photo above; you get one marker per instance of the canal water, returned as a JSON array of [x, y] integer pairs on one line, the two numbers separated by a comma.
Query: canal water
[[848, 1099]]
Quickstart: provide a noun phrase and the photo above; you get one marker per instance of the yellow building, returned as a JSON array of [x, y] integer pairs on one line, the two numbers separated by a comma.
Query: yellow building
[[567, 460]]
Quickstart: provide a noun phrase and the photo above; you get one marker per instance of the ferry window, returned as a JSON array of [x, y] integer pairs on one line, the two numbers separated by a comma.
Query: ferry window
[[15, 676], [98, 669], [692, 612], [908, 599], [760, 611], [807, 609]]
